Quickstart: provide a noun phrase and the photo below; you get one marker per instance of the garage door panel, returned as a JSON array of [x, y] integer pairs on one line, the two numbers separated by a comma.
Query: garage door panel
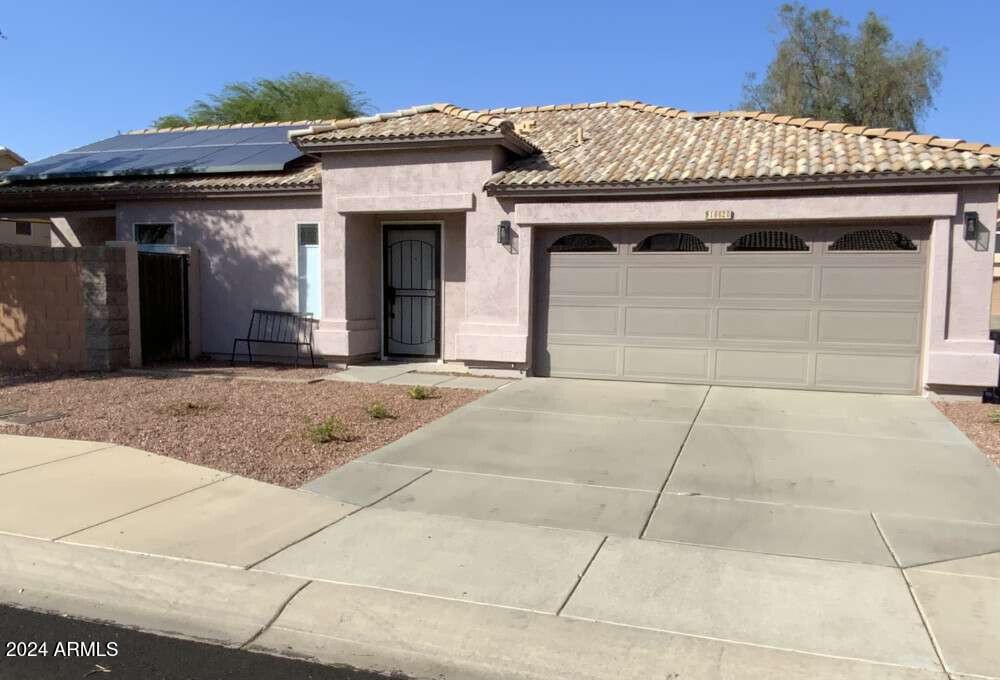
[[667, 363], [584, 320], [789, 325], [826, 319], [872, 283], [585, 280], [762, 368], [584, 360], [768, 282], [869, 327], [855, 371], [670, 282], [667, 322]]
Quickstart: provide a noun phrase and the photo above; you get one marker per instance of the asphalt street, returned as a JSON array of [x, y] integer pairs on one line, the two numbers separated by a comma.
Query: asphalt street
[[36, 646]]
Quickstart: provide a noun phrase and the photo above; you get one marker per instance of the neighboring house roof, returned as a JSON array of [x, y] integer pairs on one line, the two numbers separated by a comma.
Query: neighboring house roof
[[421, 123], [9, 159], [305, 177]]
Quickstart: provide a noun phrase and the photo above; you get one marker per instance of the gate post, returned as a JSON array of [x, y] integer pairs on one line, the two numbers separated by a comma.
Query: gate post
[[194, 302], [132, 291]]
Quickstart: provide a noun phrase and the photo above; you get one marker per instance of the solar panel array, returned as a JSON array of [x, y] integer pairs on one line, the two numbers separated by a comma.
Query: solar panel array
[[258, 149]]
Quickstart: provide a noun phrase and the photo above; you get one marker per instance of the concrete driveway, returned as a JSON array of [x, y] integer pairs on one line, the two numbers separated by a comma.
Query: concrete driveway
[[781, 519], [551, 529]]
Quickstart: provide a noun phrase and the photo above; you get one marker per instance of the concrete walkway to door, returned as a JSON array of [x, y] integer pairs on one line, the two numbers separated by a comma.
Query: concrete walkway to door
[[551, 529]]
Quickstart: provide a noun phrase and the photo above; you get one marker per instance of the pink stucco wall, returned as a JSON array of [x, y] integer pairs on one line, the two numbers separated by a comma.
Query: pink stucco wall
[[249, 255], [482, 320], [250, 252], [492, 323], [958, 348]]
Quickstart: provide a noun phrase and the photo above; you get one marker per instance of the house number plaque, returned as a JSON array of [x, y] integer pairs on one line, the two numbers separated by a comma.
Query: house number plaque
[[716, 215]]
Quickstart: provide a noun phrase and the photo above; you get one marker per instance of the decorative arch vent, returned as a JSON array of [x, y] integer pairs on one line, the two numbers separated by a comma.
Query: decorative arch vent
[[582, 243], [873, 239], [671, 242], [768, 241]]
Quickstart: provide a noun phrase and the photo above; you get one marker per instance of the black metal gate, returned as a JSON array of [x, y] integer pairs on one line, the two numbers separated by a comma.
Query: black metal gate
[[163, 306]]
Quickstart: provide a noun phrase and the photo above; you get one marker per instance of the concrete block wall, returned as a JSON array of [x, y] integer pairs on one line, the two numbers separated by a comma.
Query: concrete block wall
[[63, 308], [105, 306]]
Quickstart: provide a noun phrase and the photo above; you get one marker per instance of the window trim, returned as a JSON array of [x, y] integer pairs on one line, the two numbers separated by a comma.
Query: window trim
[[612, 250], [706, 245], [319, 245], [841, 233], [155, 246], [728, 249]]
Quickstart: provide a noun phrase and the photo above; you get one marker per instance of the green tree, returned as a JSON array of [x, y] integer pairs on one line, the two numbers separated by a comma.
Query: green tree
[[821, 70], [296, 96]]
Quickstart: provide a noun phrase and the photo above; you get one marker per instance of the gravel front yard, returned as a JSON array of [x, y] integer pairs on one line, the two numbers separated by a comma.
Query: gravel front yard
[[255, 429], [973, 418]]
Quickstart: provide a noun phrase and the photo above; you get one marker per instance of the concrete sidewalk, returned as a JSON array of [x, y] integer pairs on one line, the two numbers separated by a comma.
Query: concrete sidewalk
[[552, 529]]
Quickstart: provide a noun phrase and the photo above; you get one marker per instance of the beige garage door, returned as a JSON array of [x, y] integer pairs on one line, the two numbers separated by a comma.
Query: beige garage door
[[820, 307]]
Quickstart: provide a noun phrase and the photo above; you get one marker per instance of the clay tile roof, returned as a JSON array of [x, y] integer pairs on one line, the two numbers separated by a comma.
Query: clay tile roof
[[417, 123], [630, 143], [12, 158]]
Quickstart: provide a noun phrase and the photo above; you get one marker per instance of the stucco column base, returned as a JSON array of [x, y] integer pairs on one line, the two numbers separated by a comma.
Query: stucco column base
[[964, 368], [347, 338]]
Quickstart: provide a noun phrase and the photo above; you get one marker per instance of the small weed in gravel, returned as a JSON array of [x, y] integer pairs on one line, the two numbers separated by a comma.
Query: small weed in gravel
[[188, 408], [378, 411], [329, 430], [995, 417], [421, 392]]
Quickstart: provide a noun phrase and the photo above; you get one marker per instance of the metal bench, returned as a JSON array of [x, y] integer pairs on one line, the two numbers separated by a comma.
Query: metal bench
[[279, 328]]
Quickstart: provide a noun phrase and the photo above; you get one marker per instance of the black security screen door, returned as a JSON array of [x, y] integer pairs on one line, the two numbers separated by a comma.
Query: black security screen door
[[163, 306], [412, 281]]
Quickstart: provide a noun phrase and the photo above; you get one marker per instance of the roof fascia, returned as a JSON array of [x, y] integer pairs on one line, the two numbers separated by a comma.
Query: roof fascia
[[87, 197], [786, 184]]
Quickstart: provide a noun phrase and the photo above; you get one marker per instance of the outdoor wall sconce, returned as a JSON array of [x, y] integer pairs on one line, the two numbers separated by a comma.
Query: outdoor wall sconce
[[971, 222], [503, 233]]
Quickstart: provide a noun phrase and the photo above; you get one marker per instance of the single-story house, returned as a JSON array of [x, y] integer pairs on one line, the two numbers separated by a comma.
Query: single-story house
[[29, 232], [620, 241]]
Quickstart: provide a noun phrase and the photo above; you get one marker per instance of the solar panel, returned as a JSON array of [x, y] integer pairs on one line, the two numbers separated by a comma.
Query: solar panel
[[190, 152]]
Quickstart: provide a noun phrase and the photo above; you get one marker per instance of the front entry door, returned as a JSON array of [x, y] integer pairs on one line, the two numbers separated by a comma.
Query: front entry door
[[412, 281]]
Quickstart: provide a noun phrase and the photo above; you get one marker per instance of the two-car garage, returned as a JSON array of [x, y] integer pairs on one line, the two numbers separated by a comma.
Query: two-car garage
[[810, 306]]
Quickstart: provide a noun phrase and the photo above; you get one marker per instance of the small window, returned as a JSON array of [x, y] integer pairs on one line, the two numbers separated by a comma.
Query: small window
[[308, 234], [155, 234], [765, 241], [22, 228], [873, 239], [582, 243], [671, 242]]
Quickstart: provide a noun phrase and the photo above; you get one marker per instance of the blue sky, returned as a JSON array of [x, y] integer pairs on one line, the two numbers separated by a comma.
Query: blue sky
[[74, 72]]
